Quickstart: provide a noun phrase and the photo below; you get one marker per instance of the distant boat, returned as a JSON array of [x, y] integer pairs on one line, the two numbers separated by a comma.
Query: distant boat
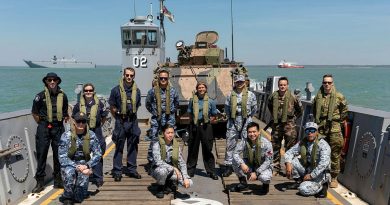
[[60, 63], [285, 64]]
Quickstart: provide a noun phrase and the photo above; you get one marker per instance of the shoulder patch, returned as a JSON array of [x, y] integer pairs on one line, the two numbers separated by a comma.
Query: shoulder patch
[[36, 99]]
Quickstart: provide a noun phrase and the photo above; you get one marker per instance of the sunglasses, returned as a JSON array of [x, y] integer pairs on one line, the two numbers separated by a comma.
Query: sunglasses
[[307, 131], [88, 91], [329, 83], [163, 78], [51, 80], [81, 121], [129, 75]]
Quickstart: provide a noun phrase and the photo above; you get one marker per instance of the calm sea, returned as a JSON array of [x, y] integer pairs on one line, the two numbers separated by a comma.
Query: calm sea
[[365, 86]]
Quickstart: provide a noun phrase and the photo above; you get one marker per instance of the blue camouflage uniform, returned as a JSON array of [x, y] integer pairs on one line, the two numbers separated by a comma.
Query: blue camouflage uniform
[[76, 184], [97, 176], [126, 128], [151, 106], [264, 171], [161, 168], [320, 174], [236, 128]]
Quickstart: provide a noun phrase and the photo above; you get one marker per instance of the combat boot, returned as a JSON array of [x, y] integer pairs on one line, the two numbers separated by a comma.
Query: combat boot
[[58, 182], [324, 192], [334, 183], [40, 185], [160, 191], [68, 202], [228, 171], [243, 185], [296, 184], [264, 189]]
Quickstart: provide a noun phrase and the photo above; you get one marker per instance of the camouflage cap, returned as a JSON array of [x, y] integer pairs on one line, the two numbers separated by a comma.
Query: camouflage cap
[[239, 78], [309, 125]]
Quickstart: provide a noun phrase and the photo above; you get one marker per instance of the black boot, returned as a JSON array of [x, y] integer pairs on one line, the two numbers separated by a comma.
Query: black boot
[[40, 185], [58, 182], [324, 192], [243, 185], [68, 202], [160, 191], [228, 171], [264, 189], [296, 184]]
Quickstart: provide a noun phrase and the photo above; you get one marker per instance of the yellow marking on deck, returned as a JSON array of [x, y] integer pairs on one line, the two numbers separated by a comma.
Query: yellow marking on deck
[[333, 199], [57, 193]]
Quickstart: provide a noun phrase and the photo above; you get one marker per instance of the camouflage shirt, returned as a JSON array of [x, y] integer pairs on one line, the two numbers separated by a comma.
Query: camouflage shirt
[[151, 102], [64, 147], [294, 108]]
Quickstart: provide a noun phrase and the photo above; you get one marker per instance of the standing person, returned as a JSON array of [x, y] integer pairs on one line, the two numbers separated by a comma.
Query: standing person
[[256, 163], [308, 163], [240, 107], [78, 152], [330, 110], [50, 110], [162, 101], [203, 111], [168, 165], [124, 101], [285, 108], [96, 116]]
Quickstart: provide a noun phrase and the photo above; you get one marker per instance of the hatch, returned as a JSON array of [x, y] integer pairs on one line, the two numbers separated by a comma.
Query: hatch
[[210, 37]]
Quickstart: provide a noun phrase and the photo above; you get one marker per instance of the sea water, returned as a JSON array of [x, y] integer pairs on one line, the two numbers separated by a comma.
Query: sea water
[[365, 86]]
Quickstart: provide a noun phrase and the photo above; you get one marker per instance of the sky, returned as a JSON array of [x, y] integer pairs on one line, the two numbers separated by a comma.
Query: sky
[[331, 32]]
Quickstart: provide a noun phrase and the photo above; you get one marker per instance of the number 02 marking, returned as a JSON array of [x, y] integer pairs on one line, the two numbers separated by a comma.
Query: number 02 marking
[[140, 61]]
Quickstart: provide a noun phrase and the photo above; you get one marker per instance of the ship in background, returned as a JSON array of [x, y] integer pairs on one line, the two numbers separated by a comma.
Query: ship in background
[[286, 64], [60, 63]]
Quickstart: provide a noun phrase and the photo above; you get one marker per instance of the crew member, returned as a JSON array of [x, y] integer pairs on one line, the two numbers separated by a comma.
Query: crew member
[[308, 163], [330, 110], [50, 110]]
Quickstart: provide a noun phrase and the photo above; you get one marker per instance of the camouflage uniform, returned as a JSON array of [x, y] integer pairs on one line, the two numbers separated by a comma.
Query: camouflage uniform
[[286, 130], [319, 174], [264, 171], [75, 183], [236, 128], [163, 168], [332, 129]]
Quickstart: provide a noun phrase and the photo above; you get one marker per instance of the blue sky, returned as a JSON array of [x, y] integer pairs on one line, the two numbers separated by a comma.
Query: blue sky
[[266, 31]]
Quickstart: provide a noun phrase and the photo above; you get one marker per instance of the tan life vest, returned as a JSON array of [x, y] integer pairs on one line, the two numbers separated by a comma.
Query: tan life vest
[[195, 108], [233, 103], [175, 152], [49, 106], [158, 100], [254, 161], [93, 113], [303, 152], [124, 97], [86, 144], [275, 105]]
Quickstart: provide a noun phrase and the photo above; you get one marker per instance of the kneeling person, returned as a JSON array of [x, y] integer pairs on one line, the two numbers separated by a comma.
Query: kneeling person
[[168, 165], [75, 149], [308, 162], [256, 162]]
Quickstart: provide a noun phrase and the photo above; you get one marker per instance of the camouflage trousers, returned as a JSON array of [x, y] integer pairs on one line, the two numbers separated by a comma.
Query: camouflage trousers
[[162, 172], [264, 177], [312, 187], [336, 142], [280, 131], [75, 183], [232, 135]]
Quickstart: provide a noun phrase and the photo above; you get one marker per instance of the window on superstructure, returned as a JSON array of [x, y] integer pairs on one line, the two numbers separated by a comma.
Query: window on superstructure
[[126, 37], [152, 36], [139, 37]]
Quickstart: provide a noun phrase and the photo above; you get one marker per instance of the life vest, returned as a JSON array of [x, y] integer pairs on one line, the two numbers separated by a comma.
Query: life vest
[[175, 152], [49, 106], [86, 144], [93, 113], [254, 161], [314, 154], [233, 103], [195, 108], [124, 97], [275, 105], [157, 95]]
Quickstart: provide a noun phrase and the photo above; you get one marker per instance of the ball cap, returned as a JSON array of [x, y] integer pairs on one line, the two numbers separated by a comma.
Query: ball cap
[[309, 125], [51, 75], [80, 116], [239, 78]]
